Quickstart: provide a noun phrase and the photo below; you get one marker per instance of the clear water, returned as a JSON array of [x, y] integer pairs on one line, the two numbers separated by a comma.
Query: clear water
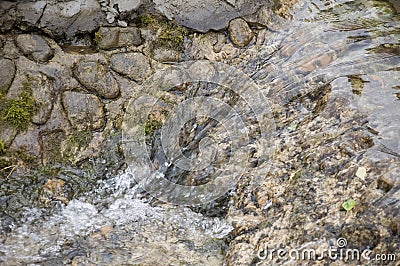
[[326, 42]]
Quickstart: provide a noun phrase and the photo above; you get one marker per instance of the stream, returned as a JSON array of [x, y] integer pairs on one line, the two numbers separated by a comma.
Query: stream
[[329, 51]]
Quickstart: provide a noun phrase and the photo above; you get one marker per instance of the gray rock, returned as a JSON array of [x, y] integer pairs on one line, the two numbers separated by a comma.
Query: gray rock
[[133, 65], [162, 54], [205, 15], [67, 18], [7, 134], [34, 47], [97, 78], [31, 11], [84, 111], [116, 37], [42, 89], [7, 74], [240, 32], [126, 5]]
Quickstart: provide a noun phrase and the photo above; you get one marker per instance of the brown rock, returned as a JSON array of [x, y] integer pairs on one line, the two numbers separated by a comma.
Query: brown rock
[[240, 32]]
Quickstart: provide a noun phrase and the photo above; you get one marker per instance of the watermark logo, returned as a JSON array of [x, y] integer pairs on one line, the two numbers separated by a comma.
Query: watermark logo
[[234, 138], [340, 252]]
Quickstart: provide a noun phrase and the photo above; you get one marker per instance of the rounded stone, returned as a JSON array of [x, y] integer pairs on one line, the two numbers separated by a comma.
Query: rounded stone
[[133, 65], [34, 47], [97, 78], [84, 111], [240, 32]]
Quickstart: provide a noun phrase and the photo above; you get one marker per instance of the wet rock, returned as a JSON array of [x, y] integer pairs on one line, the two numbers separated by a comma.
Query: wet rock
[[116, 37], [240, 32], [34, 47], [43, 92], [126, 5], [133, 65], [161, 54], [7, 73], [68, 18], [84, 111], [97, 78], [205, 15]]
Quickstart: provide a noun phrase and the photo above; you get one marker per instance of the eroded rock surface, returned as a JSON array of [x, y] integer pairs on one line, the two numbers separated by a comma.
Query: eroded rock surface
[[84, 111], [97, 77]]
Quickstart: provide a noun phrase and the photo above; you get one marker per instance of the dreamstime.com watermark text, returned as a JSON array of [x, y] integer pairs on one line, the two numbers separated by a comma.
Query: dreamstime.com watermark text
[[332, 253]]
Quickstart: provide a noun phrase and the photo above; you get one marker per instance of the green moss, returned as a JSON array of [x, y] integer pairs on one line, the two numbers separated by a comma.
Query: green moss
[[173, 35], [98, 37], [19, 111], [170, 34], [146, 20], [150, 126], [80, 139], [2, 147]]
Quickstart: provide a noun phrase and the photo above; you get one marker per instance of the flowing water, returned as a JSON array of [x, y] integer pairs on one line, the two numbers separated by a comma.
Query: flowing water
[[351, 45]]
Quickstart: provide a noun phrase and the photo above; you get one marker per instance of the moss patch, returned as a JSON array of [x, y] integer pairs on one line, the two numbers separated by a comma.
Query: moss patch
[[18, 112], [170, 34], [80, 139], [98, 37], [2, 148], [150, 126], [77, 142], [146, 20]]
